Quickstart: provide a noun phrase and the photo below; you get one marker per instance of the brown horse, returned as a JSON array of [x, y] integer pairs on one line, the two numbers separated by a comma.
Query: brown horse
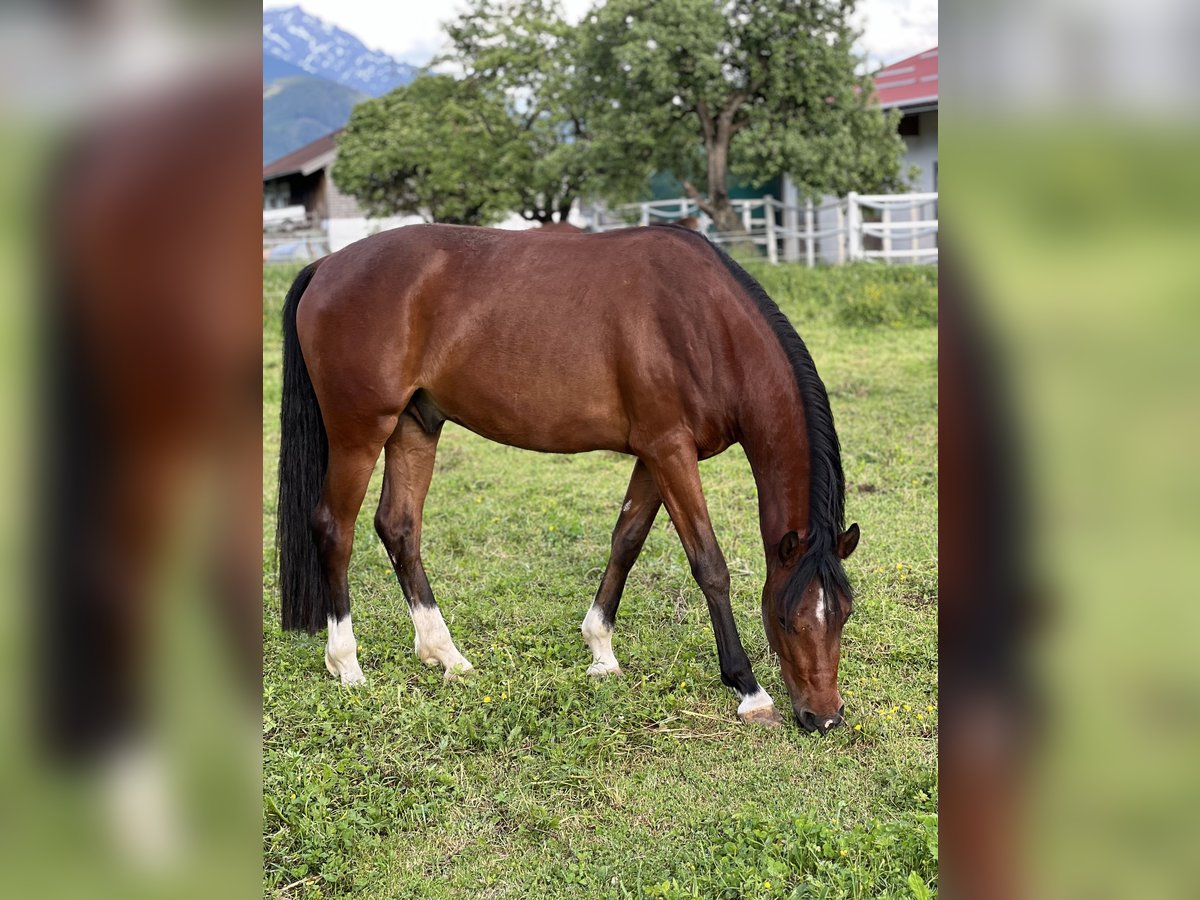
[[646, 341], [556, 228]]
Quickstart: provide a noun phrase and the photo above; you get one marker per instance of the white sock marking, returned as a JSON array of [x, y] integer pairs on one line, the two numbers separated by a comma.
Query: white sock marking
[[599, 639], [760, 699], [341, 652], [142, 808], [433, 644]]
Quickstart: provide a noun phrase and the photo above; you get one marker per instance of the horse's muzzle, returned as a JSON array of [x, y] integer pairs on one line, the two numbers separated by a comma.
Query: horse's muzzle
[[810, 721]]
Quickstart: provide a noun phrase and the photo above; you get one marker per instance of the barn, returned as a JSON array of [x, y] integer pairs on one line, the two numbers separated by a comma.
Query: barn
[[911, 86], [304, 213]]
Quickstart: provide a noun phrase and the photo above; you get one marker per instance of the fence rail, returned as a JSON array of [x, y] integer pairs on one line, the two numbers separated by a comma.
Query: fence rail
[[857, 226], [892, 228]]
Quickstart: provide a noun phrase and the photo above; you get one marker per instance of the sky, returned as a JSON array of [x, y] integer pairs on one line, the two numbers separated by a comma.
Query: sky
[[411, 29]]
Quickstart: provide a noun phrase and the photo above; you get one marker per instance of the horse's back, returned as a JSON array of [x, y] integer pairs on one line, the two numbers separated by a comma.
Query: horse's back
[[550, 341]]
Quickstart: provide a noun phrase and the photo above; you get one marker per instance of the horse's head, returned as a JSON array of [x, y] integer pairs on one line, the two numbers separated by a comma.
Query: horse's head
[[806, 601]]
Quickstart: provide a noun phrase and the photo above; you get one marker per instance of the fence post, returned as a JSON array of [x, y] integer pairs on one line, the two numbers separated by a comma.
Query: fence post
[[769, 220], [886, 218], [645, 214], [839, 239], [913, 217], [746, 216], [808, 231], [790, 219], [853, 227]]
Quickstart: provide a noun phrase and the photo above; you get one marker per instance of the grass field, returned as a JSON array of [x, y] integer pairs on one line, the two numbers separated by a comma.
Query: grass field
[[528, 778]]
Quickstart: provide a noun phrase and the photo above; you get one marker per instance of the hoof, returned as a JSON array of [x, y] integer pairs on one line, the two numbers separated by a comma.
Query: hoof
[[352, 674], [603, 670], [458, 670], [766, 715]]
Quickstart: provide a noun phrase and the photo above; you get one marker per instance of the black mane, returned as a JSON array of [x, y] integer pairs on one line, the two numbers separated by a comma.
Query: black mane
[[827, 482]]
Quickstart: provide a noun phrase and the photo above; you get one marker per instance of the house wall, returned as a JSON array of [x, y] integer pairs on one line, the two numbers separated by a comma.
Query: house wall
[[922, 151]]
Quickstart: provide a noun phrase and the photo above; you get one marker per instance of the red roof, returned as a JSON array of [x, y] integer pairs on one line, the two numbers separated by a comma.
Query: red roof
[[306, 160], [910, 82]]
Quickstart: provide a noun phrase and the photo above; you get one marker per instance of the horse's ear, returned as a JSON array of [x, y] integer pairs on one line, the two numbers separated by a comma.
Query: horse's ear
[[789, 548], [848, 541]]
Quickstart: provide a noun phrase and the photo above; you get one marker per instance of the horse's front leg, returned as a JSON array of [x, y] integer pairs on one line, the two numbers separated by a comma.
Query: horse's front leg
[[677, 475], [637, 515]]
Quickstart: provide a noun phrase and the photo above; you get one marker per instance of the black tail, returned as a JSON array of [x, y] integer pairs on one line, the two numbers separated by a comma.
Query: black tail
[[303, 457]]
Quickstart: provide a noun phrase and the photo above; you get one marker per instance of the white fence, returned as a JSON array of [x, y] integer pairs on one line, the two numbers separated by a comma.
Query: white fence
[[887, 227]]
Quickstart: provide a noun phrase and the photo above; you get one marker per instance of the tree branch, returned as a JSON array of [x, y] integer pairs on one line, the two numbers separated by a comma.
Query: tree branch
[[695, 196], [705, 122]]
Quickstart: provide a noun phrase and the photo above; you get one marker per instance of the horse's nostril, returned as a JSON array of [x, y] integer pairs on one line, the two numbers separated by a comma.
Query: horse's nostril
[[831, 722], [842, 711]]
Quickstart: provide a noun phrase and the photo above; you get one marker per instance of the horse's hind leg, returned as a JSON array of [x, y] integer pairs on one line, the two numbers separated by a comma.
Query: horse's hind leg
[[637, 515], [346, 480], [408, 469]]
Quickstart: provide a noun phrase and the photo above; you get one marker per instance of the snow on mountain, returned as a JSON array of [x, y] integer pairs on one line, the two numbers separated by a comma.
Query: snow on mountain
[[319, 48]]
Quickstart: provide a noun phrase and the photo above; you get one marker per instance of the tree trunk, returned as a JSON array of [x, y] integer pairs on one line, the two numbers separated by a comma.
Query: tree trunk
[[724, 217]]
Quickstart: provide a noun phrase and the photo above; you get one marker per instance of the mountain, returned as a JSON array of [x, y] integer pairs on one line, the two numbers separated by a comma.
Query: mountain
[[275, 68], [298, 109], [293, 37]]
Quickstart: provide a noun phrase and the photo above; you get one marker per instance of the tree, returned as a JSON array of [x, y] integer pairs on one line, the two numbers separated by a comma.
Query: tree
[[433, 148], [526, 51], [753, 88]]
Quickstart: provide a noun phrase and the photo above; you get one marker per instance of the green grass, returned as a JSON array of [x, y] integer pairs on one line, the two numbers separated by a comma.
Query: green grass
[[529, 779]]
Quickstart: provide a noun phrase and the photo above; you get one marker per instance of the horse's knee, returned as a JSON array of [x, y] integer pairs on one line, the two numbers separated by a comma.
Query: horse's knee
[[625, 548], [712, 575]]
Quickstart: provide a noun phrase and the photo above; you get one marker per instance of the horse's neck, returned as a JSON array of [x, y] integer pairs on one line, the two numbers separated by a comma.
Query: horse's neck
[[776, 445]]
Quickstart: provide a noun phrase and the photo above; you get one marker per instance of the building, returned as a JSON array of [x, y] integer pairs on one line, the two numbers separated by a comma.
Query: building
[[911, 86], [304, 214]]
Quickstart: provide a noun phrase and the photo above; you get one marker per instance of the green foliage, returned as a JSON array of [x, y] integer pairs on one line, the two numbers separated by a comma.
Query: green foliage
[[861, 294], [525, 50], [753, 87], [529, 779], [547, 112], [433, 148]]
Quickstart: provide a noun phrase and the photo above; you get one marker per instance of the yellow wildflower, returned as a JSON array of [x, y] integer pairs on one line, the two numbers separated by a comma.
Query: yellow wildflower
[[487, 699]]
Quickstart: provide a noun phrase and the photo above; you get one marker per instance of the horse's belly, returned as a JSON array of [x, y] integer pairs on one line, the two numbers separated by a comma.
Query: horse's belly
[[536, 418]]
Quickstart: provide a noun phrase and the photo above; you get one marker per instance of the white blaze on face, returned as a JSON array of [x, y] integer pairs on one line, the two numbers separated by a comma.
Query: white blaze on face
[[341, 652], [820, 611], [433, 644], [599, 639]]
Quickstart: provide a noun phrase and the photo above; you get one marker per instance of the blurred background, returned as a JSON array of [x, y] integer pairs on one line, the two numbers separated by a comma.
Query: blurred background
[[1074, 131], [131, 407], [130, 306]]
